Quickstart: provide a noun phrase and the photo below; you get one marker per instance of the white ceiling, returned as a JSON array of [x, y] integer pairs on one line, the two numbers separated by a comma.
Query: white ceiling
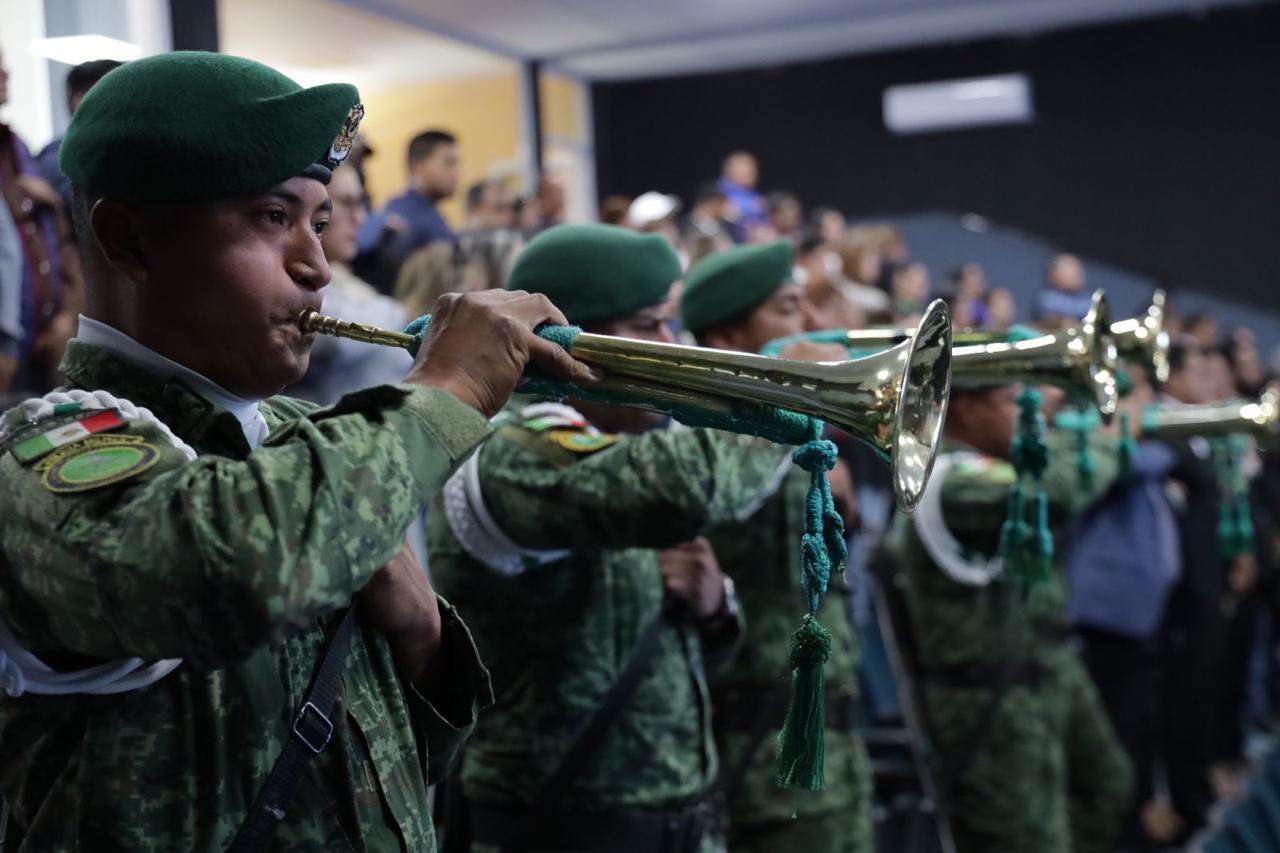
[[320, 41], [618, 39]]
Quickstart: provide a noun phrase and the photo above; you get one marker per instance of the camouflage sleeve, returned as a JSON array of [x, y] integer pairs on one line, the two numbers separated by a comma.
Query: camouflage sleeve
[[446, 720], [206, 559], [975, 495], [650, 491]]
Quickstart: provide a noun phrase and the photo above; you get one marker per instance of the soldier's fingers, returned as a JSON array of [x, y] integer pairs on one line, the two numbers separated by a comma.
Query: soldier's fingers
[[536, 309], [556, 361]]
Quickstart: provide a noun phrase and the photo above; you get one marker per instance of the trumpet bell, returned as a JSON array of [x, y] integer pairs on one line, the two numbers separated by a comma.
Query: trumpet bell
[[1143, 339]]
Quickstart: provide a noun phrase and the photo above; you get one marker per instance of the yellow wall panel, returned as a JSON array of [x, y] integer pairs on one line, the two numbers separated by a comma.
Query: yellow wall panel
[[483, 112]]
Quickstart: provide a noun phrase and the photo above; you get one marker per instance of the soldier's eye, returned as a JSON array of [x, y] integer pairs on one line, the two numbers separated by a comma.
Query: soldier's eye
[[321, 227]]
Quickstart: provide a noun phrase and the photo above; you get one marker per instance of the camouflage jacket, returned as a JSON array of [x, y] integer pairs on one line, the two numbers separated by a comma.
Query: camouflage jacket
[[235, 562], [960, 616], [546, 536], [762, 555]]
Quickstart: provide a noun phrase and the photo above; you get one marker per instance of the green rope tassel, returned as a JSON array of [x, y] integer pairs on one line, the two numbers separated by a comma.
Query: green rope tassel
[[1026, 543], [823, 548], [801, 743]]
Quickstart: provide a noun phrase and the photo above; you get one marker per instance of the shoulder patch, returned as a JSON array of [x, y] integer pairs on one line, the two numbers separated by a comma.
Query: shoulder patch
[[68, 424], [541, 417], [581, 442], [96, 461]]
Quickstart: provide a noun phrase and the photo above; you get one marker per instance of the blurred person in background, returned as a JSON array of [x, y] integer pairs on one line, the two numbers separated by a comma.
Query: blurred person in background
[[412, 219], [551, 200], [1193, 630], [968, 296], [820, 271], [1241, 349], [829, 224], [489, 206], [49, 284], [655, 213], [613, 209], [10, 295], [1064, 300], [79, 81], [705, 228], [910, 293], [1001, 310], [786, 215], [434, 172], [442, 268], [487, 246], [529, 215], [860, 265], [1202, 326], [747, 210], [340, 366], [1117, 598]]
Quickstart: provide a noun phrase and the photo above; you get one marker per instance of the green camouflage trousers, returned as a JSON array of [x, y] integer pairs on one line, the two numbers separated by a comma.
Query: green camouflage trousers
[[1049, 776], [835, 820]]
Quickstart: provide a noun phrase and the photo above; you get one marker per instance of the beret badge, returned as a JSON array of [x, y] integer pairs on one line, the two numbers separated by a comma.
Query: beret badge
[[341, 146]]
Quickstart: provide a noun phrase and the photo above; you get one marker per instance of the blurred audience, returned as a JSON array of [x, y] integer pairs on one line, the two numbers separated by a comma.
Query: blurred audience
[[339, 366], [1063, 301], [613, 209], [746, 211], [80, 80], [46, 286], [786, 216], [411, 219], [705, 228]]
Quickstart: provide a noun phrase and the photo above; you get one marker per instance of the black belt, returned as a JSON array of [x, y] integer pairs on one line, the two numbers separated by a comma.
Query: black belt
[[624, 831], [985, 676], [737, 709]]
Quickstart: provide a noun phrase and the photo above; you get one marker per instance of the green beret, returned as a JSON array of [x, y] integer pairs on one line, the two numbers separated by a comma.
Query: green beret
[[728, 284], [195, 126], [596, 272]]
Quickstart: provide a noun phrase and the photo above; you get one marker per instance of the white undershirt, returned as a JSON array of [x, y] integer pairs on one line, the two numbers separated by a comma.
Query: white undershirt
[[247, 412]]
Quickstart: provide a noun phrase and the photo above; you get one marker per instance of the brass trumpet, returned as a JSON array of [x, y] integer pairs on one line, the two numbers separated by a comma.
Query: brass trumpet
[[1260, 418], [895, 400], [1081, 359], [1143, 339]]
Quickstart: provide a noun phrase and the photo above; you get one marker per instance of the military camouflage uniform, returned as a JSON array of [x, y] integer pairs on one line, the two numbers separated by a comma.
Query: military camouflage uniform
[[234, 562], [1047, 774], [762, 555], [548, 540]]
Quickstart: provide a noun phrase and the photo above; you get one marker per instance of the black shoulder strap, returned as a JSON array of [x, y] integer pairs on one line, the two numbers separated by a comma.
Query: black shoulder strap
[[586, 745], [312, 729]]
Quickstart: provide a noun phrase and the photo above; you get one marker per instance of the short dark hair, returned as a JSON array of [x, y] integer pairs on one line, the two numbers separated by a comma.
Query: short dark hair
[[425, 144], [475, 195], [1180, 350], [707, 191], [81, 78]]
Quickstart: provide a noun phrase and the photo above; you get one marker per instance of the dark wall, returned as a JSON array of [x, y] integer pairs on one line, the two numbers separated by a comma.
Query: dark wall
[[194, 24], [1156, 145]]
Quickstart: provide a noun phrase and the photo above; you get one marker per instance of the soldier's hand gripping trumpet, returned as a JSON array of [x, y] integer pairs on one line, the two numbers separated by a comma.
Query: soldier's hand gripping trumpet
[[894, 400]]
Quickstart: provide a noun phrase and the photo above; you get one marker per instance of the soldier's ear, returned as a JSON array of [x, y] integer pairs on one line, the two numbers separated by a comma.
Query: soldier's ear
[[118, 232]]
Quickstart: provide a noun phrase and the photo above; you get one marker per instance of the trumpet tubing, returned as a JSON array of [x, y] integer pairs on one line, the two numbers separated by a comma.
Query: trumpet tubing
[[1260, 418], [894, 401]]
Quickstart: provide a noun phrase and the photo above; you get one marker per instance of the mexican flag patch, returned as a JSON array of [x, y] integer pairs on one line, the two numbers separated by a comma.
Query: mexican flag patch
[[81, 425]]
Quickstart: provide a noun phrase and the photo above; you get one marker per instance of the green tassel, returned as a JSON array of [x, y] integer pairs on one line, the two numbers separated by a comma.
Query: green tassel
[[801, 744]]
